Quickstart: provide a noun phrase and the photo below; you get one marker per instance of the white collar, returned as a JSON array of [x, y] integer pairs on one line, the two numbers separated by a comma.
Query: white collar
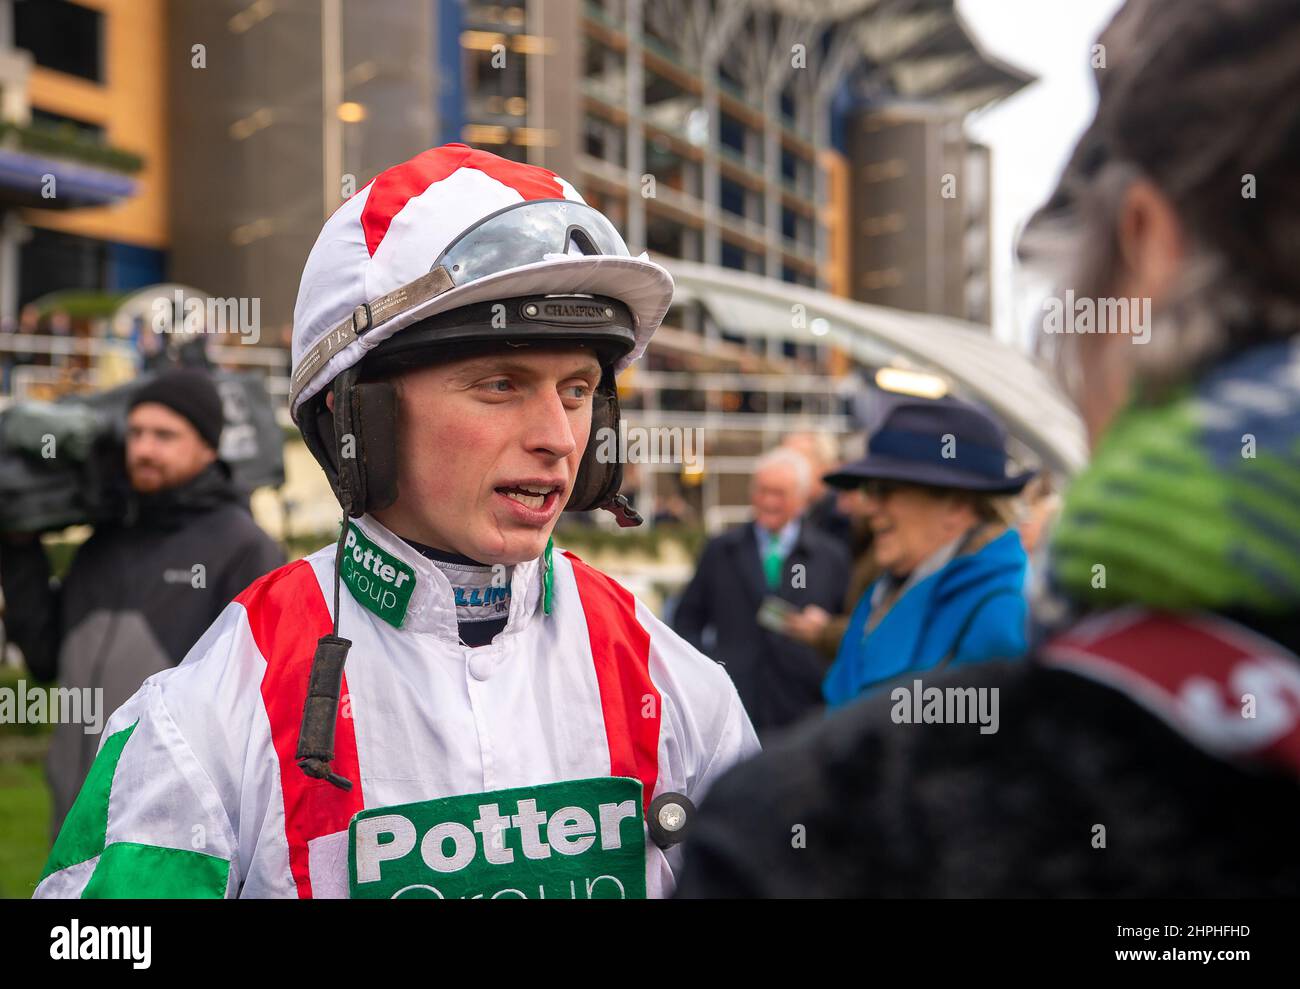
[[432, 607]]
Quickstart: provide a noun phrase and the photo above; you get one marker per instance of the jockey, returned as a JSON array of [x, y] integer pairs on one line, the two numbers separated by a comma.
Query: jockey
[[510, 721]]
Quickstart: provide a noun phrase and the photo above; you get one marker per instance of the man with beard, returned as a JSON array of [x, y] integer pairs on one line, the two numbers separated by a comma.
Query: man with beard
[[140, 592]]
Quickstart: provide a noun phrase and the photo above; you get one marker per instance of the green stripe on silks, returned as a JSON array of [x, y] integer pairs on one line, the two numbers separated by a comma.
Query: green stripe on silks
[[85, 828], [130, 871], [547, 578], [1156, 520]]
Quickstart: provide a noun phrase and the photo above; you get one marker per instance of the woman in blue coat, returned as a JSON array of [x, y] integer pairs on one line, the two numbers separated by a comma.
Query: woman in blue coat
[[952, 588]]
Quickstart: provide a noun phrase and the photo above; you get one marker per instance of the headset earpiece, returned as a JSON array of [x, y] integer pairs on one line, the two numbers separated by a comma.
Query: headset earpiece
[[346, 448], [374, 420], [356, 442], [597, 482]]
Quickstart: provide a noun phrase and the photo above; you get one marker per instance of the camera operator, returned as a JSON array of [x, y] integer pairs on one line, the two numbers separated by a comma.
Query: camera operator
[[139, 592]]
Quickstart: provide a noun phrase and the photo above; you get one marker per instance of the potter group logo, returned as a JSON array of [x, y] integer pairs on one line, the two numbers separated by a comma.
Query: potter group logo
[[582, 839]]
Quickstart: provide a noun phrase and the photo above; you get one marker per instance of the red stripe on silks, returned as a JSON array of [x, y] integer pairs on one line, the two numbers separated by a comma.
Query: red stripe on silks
[[395, 186], [287, 614], [1164, 649], [620, 649], [1194, 672]]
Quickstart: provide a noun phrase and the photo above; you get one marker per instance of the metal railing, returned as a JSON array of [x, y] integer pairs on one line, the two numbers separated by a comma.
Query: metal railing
[[80, 363]]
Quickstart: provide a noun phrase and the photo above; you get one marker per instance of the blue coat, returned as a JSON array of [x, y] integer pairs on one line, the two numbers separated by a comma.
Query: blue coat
[[973, 608]]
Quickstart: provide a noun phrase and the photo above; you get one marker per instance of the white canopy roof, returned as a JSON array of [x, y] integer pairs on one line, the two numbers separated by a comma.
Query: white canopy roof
[[981, 368]]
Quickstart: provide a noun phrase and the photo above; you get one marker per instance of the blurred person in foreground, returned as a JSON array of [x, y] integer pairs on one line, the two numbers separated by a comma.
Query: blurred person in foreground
[[139, 593], [1152, 745], [750, 578], [951, 587]]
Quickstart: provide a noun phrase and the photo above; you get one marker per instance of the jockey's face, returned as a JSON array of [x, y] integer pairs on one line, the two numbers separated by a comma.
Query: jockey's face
[[489, 448]]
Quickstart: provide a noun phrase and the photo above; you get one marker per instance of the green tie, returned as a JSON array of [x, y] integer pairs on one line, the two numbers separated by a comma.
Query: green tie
[[772, 560]]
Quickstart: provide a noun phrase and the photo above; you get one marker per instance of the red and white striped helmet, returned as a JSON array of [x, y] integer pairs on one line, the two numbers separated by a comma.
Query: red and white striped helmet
[[440, 232]]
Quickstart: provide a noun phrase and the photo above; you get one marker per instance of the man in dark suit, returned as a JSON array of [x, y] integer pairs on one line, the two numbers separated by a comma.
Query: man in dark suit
[[778, 555]]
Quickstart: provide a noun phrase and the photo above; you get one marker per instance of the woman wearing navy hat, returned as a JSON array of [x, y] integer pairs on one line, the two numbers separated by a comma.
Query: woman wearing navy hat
[[953, 574]]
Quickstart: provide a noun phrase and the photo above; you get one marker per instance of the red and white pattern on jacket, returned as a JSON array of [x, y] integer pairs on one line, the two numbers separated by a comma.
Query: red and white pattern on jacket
[[287, 613], [1232, 693]]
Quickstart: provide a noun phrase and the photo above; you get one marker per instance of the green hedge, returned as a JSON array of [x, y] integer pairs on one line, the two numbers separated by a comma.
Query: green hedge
[[65, 142], [82, 304]]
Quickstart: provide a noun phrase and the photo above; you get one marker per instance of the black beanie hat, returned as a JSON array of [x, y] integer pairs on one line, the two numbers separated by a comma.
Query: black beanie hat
[[188, 392]]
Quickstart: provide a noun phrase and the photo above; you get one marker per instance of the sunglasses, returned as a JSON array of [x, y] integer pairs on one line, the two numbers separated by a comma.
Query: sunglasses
[[882, 489]]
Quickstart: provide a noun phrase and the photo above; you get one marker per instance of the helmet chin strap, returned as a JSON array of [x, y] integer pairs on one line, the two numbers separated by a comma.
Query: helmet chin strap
[[316, 736], [624, 514]]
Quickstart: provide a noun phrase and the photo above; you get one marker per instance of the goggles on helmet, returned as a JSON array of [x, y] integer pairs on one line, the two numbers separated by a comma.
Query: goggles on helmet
[[526, 233], [522, 234]]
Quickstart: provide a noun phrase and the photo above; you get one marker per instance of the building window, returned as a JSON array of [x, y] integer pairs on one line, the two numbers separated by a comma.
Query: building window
[[889, 223], [595, 139], [789, 224], [873, 281], [51, 260], [789, 166], [664, 237], [62, 36], [882, 171], [731, 133], [787, 104], [83, 130], [731, 197], [733, 256], [502, 80]]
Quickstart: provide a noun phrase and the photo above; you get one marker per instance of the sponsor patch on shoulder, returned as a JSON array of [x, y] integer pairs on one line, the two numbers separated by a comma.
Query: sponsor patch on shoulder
[[378, 580]]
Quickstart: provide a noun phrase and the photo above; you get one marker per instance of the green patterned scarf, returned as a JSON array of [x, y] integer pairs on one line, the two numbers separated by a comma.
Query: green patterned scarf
[[1193, 504]]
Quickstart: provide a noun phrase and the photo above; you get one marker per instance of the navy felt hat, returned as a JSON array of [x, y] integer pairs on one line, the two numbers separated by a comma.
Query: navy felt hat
[[942, 443]]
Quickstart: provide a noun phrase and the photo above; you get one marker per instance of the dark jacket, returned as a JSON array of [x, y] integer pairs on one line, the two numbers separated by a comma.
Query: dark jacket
[[779, 679], [135, 598], [860, 804], [825, 514]]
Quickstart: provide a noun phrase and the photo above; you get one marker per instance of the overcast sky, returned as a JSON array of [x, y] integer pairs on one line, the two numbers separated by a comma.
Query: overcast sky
[[1032, 133]]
